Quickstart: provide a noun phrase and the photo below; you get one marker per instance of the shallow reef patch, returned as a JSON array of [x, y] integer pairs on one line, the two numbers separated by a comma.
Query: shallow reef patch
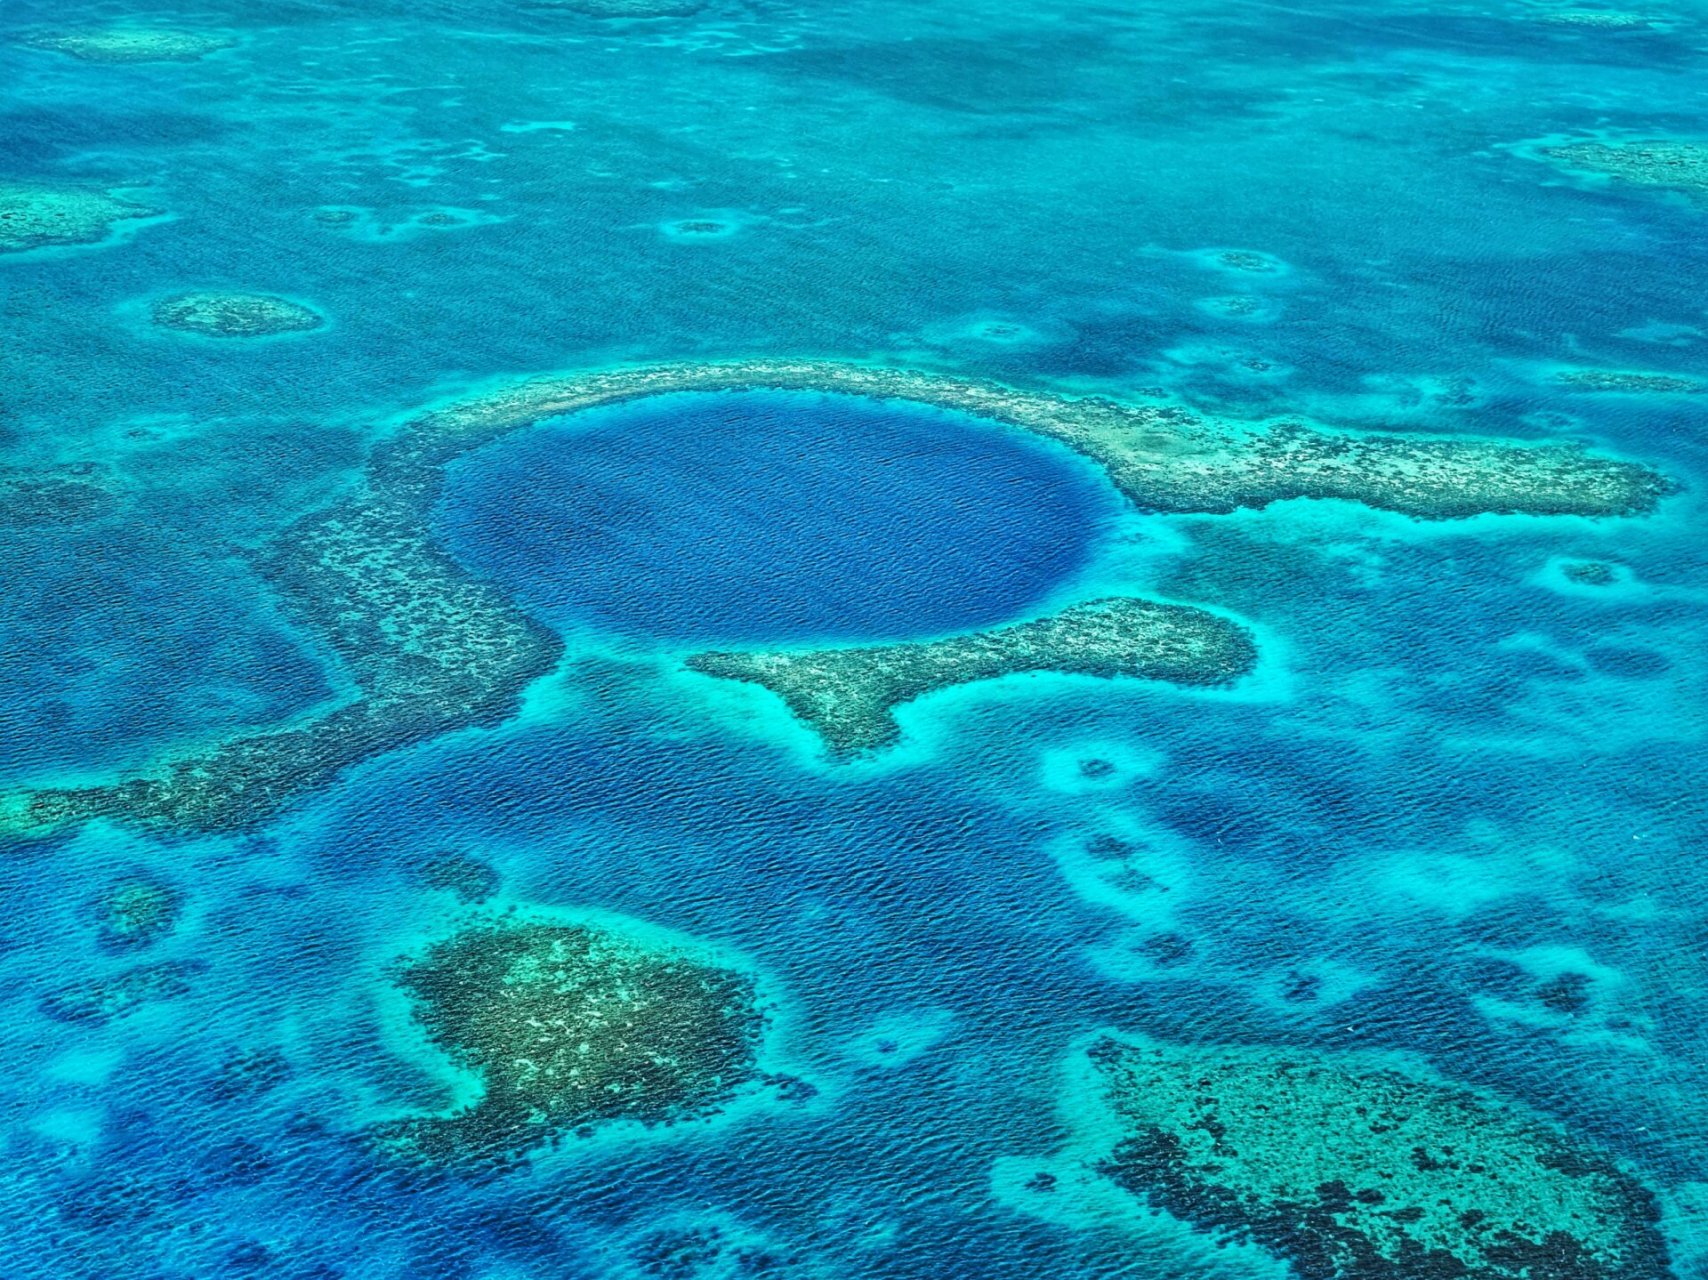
[[573, 1025], [134, 912], [1630, 383], [234, 315], [53, 497], [120, 44], [431, 650], [469, 879], [1669, 165], [36, 215], [1590, 573], [97, 1001], [1351, 1167], [849, 695]]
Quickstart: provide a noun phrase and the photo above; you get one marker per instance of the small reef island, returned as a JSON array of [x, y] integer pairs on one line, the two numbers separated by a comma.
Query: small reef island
[[848, 695], [122, 44], [570, 1026], [37, 216], [234, 315], [430, 649], [1354, 1170]]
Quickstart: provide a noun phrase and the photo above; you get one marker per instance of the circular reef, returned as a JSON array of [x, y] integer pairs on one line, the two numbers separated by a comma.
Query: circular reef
[[37, 215], [134, 44], [431, 648], [234, 315], [574, 1025], [1351, 1169]]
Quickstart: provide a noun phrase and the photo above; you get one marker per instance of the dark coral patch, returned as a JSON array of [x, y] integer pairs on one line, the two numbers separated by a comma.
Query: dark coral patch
[[572, 1026], [1357, 1171]]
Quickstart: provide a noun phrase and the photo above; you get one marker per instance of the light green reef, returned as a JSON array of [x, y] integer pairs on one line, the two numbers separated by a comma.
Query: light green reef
[[38, 215], [1351, 1168], [120, 44], [1630, 383], [234, 315], [572, 1025], [430, 649], [848, 695], [1672, 166]]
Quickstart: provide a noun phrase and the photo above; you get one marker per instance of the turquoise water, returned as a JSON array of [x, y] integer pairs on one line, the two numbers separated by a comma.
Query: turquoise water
[[1456, 813]]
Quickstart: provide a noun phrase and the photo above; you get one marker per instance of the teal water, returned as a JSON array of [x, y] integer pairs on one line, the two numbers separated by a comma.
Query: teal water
[[1457, 812]]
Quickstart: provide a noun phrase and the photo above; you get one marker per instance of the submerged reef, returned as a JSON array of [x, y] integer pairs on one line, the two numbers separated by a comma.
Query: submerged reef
[[849, 695], [1672, 166], [430, 649], [570, 1026], [1590, 573], [98, 1001], [134, 44], [234, 315], [135, 912], [1356, 1171], [633, 8], [1634, 383], [468, 879], [37, 215], [1598, 19], [52, 497]]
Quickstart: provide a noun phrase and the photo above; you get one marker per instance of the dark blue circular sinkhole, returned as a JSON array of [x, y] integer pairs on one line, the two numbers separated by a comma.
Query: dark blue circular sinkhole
[[768, 516]]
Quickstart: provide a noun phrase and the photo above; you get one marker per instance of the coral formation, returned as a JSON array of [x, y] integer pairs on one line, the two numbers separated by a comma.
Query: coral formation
[[134, 44], [634, 8], [573, 1025], [469, 879], [234, 315], [1605, 380], [1590, 573], [135, 912], [99, 1000], [1673, 166], [1348, 1168], [1248, 260], [1598, 20], [37, 215], [429, 649], [849, 695], [49, 497]]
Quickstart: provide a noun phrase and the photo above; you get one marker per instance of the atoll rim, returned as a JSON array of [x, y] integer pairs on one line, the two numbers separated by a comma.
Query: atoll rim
[[432, 650], [848, 695]]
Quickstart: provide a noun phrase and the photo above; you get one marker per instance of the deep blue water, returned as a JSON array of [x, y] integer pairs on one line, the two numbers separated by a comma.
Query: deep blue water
[[774, 517], [1455, 777]]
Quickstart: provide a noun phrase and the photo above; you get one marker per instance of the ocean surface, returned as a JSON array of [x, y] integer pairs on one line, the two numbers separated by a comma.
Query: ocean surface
[[1456, 816]]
